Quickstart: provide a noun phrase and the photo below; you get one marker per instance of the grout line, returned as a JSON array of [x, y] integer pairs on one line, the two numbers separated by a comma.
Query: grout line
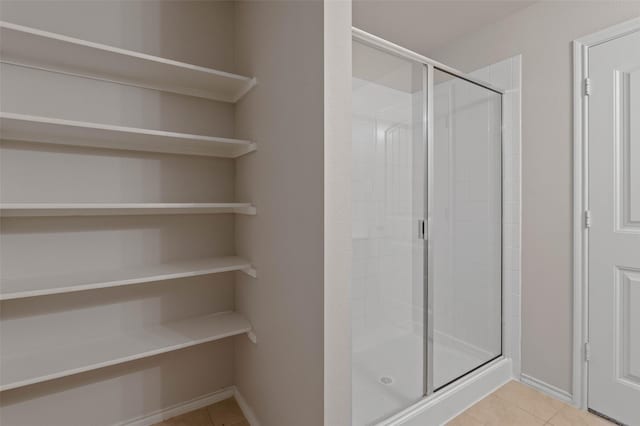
[[543, 395], [513, 404]]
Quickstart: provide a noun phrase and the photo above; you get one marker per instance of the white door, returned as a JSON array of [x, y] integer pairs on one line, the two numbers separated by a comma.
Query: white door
[[614, 236]]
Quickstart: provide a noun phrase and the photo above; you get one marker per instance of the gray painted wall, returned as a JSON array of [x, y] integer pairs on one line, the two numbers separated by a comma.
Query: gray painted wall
[[542, 33], [281, 44]]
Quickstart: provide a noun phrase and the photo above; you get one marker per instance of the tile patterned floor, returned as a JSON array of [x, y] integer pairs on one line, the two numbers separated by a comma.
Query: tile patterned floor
[[223, 413], [515, 404]]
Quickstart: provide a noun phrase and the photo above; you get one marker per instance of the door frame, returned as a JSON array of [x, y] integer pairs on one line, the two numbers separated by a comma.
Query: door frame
[[581, 201]]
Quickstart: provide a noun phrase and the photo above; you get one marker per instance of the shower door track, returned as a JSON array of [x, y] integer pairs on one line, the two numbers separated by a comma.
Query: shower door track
[[388, 46]]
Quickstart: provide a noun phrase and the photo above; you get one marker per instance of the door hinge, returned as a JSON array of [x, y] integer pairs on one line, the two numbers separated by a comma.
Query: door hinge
[[587, 351], [587, 86], [587, 219]]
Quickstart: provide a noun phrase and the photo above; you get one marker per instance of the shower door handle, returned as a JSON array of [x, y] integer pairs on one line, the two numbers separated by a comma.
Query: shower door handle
[[422, 229]]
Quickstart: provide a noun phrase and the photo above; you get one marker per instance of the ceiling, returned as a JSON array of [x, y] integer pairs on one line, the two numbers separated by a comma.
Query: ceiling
[[427, 25]]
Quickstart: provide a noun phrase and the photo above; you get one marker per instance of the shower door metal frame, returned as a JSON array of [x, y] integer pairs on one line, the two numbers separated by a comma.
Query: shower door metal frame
[[429, 306], [385, 45], [430, 66], [429, 202]]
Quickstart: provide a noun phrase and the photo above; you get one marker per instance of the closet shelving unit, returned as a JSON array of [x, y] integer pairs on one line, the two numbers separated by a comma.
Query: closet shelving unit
[[110, 209], [20, 288], [64, 360], [22, 127], [48, 51]]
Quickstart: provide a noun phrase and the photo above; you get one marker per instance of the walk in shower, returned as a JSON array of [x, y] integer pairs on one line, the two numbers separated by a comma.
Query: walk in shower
[[427, 239]]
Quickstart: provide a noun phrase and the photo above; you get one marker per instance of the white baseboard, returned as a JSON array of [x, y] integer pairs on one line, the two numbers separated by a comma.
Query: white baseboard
[[451, 401], [181, 408], [544, 387], [195, 404], [246, 409]]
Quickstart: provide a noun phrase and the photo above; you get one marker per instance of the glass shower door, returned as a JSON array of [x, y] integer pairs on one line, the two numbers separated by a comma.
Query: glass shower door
[[426, 229], [388, 197], [465, 282]]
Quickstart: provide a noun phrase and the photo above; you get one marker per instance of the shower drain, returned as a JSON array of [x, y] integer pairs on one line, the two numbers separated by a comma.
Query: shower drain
[[386, 380]]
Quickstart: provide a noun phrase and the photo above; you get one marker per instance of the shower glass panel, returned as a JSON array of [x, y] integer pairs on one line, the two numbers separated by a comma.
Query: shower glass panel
[[465, 290], [388, 198], [427, 228]]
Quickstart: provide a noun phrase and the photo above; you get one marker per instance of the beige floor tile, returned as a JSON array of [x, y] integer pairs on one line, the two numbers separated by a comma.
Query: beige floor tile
[[514, 404], [494, 411], [570, 416], [226, 413], [194, 418], [530, 400], [465, 419]]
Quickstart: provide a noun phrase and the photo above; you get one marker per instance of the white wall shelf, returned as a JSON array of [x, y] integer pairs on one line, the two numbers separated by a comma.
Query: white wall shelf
[[122, 209], [55, 52], [22, 369], [57, 131], [18, 288]]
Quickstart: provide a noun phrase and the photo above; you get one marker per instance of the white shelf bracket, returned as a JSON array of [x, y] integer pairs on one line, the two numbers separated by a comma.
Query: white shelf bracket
[[251, 210], [245, 90], [251, 272], [246, 150], [252, 336]]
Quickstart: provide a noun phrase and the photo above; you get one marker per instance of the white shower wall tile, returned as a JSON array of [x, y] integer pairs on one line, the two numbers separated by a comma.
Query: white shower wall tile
[[382, 226]]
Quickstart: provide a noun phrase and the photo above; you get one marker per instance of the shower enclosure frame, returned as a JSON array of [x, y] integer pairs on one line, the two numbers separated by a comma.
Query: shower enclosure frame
[[430, 66]]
